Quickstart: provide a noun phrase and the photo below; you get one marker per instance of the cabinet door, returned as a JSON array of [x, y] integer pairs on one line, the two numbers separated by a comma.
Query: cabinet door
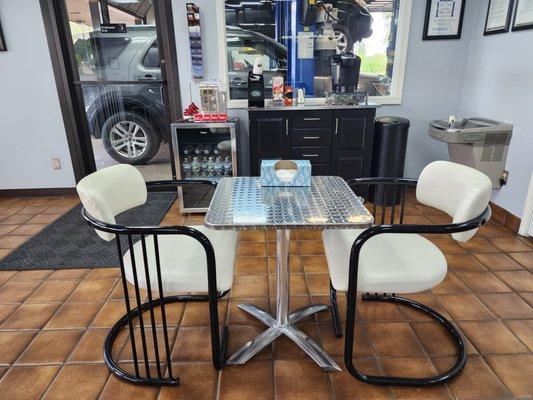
[[269, 137], [353, 136]]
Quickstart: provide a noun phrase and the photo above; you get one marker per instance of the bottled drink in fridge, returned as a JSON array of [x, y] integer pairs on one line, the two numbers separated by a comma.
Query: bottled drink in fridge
[[186, 167], [218, 166], [196, 167]]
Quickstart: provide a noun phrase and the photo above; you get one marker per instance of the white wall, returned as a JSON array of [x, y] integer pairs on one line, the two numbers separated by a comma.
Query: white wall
[[499, 85], [434, 78], [31, 126]]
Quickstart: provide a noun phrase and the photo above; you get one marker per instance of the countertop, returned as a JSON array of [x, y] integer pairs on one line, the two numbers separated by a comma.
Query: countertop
[[314, 107]]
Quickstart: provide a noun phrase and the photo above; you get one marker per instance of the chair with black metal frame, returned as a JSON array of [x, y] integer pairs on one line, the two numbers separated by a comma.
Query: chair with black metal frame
[[392, 257], [193, 263]]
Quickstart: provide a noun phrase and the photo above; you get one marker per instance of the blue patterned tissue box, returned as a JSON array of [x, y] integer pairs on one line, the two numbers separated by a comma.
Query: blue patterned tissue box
[[285, 173]]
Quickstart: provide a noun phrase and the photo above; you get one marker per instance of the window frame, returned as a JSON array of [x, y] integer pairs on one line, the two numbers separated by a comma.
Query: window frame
[[398, 75]]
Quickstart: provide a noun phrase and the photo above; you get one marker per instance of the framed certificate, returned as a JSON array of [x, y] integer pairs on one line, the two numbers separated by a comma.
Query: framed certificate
[[444, 19], [498, 16], [523, 16]]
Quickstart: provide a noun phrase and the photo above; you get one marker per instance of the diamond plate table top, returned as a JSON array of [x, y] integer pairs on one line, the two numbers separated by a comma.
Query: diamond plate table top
[[243, 204]]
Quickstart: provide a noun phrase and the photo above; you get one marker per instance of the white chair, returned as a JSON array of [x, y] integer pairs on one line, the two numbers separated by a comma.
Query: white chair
[[173, 264], [391, 258]]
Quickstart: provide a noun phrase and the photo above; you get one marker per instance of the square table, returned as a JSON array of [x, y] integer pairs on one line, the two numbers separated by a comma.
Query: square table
[[243, 204]]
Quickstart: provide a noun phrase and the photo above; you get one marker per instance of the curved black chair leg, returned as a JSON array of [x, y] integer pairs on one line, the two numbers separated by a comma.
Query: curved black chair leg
[[415, 382], [337, 327], [137, 377]]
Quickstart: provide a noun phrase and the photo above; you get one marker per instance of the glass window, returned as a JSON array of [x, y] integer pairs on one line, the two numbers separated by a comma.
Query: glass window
[[151, 58], [300, 46]]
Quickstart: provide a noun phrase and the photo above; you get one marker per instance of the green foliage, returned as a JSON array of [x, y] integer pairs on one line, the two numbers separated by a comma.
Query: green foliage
[[375, 64]]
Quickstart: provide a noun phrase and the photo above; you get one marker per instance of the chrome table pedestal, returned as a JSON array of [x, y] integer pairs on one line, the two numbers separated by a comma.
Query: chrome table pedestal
[[283, 323], [243, 204]]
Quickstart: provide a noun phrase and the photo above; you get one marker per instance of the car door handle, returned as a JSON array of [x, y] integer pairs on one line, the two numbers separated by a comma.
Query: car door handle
[[148, 78]]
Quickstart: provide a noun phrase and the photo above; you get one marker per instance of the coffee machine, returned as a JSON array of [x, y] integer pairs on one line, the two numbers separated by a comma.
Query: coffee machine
[[345, 72]]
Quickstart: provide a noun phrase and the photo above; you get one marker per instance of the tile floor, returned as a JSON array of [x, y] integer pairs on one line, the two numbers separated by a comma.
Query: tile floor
[[53, 323]]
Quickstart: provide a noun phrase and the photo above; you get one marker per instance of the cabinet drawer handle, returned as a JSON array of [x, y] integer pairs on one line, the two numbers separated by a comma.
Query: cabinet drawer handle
[[312, 119], [286, 127], [336, 126], [310, 155], [311, 137]]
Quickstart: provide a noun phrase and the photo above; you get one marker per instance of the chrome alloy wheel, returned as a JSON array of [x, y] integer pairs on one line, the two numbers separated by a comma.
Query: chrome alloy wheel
[[128, 139], [342, 41]]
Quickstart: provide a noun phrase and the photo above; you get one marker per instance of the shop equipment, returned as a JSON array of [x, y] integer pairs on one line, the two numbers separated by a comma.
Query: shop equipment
[[477, 142], [388, 156]]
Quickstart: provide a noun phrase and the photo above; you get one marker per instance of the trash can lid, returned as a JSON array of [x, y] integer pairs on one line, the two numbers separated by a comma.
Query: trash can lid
[[397, 121]]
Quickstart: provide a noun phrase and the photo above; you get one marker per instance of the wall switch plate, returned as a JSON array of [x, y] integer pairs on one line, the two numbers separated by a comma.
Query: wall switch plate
[[56, 163], [503, 179]]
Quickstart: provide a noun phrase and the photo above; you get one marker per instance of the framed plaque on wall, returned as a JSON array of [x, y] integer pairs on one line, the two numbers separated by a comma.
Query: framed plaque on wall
[[2, 42], [523, 16], [498, 16], [444, 19]]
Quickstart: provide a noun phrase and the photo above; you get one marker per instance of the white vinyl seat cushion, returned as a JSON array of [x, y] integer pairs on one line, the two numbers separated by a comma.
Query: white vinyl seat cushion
[[388, 263], [184, 263]]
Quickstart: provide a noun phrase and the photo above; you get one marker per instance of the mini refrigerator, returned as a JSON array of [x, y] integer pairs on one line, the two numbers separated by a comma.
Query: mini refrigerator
[[203, 150]]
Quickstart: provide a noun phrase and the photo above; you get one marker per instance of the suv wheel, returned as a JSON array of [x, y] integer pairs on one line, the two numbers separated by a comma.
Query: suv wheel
[[130, 139]]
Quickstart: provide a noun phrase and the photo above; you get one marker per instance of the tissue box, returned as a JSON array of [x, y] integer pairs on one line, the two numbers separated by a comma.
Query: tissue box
[[285, 173]]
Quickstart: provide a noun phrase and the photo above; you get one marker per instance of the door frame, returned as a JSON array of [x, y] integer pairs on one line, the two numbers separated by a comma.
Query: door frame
[[57, 29]]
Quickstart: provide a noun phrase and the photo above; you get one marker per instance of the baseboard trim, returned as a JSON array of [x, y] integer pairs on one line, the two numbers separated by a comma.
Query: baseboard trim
[[504, 217], [37, 192]]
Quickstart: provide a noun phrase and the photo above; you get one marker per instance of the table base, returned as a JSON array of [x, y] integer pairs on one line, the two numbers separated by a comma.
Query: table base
[[275, 330]]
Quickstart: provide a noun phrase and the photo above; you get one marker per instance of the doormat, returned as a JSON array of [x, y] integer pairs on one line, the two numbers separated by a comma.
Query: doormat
[[70, 242]]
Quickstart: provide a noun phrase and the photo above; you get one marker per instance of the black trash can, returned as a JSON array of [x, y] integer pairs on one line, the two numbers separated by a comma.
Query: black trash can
[[388, 156]]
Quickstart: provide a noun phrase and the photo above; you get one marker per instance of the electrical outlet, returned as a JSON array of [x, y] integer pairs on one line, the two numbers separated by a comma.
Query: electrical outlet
[[56, 163]]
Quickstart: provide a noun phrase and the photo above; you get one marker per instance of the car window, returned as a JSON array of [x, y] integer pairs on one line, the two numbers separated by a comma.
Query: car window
[[151, 58], [244, 49]]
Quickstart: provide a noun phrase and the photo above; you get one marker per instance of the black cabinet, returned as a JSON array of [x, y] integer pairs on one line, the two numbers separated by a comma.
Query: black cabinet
[[335, 141]]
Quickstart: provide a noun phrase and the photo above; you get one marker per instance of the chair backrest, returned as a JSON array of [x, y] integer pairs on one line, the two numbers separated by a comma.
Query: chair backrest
[[110, 191], [460, 191]]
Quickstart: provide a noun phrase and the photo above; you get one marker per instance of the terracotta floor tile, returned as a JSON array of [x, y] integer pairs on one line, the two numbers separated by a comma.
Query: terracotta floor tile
[[298, 284], [6, 275], [61, 274], [50, 347], [479, 245], [523, 329], [311, 248], [295, 264], [102, 273], [519, 281], [32, 210], [251, 249], [52, 291], [284, 348], [82, 381], [447, 244], [117, 389], [315, 264], [25, 276], [464, 262], [251, 266], [27, 382], [464, 307], [16, 219], [394, 339], [197, 381], [12, 344], [30, 316], [528, 297], [253, 381], [497, 261], [126, 353], [451, 285], [414, 368], [173, 311], [91, 346], [8, 228], [507, 305], [111, 312], [271, 249], [492, 337], [17, 292], [12, 242], [93, 290], [29, 229], [370, 311], [335, 346], [57, 209], [436, 341], [346, 387], [44, 218], [426, 299], [318, 284], [476, 381], [295, 303], [411, 219], [510, 244], [197, 313], [249, 286], [309, 234], [237, 316], [74, 315], [482, 282], [4, 253], [239, 335], [252, 236], [518, 380], [6, 310], [524, 258], [492, 230], [293, 378], [193, 344]]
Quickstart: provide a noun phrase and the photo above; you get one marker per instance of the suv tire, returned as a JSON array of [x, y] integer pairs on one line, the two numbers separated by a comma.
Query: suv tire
[[130, 138]]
